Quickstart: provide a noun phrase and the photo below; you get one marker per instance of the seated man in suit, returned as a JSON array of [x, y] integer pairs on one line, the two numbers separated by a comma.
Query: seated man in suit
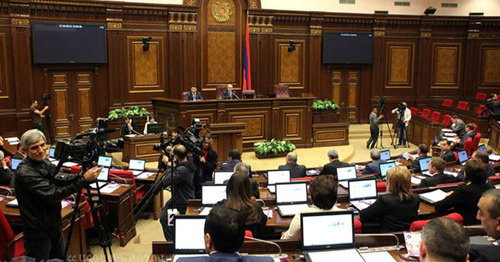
[[291, 164], [458, 126], [469, 129], [480, 156], [331, 168], [489, 214], [373, 167], [229, 93], [422, 151], [443, 239], [446, 153], [194, 95], [436, 168], [224, 235], [233, 159], [493, 106]]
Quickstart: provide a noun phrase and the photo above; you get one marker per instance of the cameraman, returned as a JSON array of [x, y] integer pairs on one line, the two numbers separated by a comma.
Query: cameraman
[[36, 115], [210, 158], [374, 129], [183, 182], [403, 113], [40, 198]]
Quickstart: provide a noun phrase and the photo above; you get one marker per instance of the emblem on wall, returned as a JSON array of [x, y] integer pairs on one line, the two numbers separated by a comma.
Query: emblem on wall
[[221, 11]]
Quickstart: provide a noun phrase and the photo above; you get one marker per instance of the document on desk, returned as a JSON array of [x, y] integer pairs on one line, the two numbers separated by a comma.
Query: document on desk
[[350, 255], [145, 175], [415, 180], [433, 196], [451, 173], [109, 188], [494, 157], [377, 256], [450, 134], [446, 130]]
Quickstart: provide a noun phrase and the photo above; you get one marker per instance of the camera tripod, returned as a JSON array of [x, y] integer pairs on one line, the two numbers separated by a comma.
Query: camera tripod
[[381, 102]]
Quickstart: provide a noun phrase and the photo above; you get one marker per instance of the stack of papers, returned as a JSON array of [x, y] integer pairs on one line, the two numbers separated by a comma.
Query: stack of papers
[[415, 180], [450, 134], [455, 174], [446, 130], [495, 158], [12, 140], [110, 188], [433, 196], [145, 175]]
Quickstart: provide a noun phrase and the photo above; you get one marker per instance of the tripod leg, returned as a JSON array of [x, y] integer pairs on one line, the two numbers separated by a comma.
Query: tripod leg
[[76, 211]]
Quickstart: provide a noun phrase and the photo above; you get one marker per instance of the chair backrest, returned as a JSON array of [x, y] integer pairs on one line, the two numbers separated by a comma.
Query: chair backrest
[[447, 103], [475, 142], [220, 91], [381, 187], [425, 113], [475, 127], [248, 94], [462, 105], [414, 111], [468, 146], [419, 224], [6, 235], [480, 96], [446, 121], [281, 91], [482, 110], [357, 226], [435, 116], [184, 95], [75, 169]]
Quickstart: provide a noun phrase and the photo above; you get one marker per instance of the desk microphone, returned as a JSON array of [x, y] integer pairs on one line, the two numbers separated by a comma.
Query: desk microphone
[[280, 255]]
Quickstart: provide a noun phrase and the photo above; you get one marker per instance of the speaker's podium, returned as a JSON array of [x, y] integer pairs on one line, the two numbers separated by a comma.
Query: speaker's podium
[[226, 136]]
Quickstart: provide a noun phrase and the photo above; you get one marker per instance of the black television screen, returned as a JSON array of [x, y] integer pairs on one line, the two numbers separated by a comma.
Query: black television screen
[[347, 48], [69, 43]]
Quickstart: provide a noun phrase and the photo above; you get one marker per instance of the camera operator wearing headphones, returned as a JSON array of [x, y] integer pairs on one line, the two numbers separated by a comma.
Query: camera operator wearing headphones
[[40, 198], [36, 115], [403, 113], [183, 187]]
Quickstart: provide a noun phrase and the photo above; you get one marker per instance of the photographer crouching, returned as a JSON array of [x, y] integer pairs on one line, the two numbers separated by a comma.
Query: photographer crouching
[[39, 198], [403, 114]]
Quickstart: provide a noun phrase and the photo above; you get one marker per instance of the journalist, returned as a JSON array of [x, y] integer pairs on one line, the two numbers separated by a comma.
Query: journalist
[[39, 198], [403, 114]]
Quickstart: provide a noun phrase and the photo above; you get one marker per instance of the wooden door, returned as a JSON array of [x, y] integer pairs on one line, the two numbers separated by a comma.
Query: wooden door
[[345, 90]]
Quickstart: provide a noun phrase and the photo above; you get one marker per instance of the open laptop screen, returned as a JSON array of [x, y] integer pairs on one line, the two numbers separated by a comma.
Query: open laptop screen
[[221, 176], [424, 163], [52, 152], [386, 166], [346, 173], [385, 155], [327, 230], [137, 164], [189, 234], [462, 156], [104, 161], [212, 193], [482, 148], [362, 189], [15, 162], [291, 193], [104, 175], [278, 176]]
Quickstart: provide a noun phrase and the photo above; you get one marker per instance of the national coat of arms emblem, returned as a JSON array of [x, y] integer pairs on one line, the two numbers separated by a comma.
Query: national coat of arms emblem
[[221, 11]]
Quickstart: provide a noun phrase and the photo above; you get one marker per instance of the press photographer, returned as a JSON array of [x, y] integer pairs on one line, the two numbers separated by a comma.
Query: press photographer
[[403, 114], [39, 198]]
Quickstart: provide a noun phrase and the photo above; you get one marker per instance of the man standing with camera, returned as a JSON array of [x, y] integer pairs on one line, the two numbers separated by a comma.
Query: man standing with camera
[[403, 113], [36, 115], [374, 129], [39, 198]]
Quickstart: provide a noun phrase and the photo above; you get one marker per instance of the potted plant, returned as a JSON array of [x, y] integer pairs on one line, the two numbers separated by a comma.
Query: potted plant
[[131, 112], [325, 111], [273, 148]]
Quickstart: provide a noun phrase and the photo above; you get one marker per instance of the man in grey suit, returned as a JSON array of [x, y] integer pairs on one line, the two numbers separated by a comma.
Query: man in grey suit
[[374, 120], [291, 164], [373, 167], [458, 126]]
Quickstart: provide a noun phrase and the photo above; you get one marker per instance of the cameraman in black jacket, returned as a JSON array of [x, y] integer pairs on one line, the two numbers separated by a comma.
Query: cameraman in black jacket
[[40, 198]]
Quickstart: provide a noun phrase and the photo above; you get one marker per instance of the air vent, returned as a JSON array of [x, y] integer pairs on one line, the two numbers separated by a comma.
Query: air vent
[[449, 5], [401, 3], [347, 2]]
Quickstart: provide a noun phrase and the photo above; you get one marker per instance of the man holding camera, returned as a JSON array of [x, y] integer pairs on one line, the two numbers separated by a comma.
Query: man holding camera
[[39, 198], [36, 115], [403, 113]]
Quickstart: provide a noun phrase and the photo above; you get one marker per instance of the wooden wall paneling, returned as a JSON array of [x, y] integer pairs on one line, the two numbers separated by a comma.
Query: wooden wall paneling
[[116, 60], [292, 127], [85, 109], [6, 90], [257, 124], [336, 83], [489, 68], [59, 83], [399, 66], [365, 94], [353, 83], [290, 66], [446, 68], [190, 65]]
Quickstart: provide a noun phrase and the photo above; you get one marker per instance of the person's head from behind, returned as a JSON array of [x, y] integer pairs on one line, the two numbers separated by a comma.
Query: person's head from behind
[[242, 167], [224, 230], [234, 154], [333, 154], [489, 212], [194, 89], [291, 158], [399, 182], [238, 187], [33, 144], [323, 190], [454, 119], [180, 152], [374, 154], [481, 155], [444, 145], [475, 172], [437, 165], [422, 149], [443, 239]]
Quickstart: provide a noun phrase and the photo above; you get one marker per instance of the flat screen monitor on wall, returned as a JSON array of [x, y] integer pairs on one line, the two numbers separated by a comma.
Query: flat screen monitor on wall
[[69, 43], [347, 48]]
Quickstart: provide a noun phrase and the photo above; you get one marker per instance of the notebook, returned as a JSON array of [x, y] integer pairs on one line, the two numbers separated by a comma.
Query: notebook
[[482, 147], [291, 197], [362, 193], [328, 236], [189, 235], [424, 165], [105, 161], [277, 176], [385, 155], [433, 196], [15, 162], [384, 167], [221, 176], [102, 178], [137, 166], [211, 194], [462, 157], [345, 174]]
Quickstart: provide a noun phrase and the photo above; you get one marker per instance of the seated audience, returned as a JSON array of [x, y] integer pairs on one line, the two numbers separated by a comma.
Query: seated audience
[[373, 167], [238, 197], [493, 106], [446, 153], [489, 214], [458, 126], [233, 159], [397, 209], [422, 151], [464, 199], [331, 168], [323, 190], [6, 174], [469, 129], [436, 168], [296, 170], [443, 239], [242, 167], [224, 236], [194, 95], [229, 93], [483, 157], [2, 149]]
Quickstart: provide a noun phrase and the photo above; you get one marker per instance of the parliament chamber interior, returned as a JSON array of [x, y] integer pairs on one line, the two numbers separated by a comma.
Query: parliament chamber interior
[[250, 130]]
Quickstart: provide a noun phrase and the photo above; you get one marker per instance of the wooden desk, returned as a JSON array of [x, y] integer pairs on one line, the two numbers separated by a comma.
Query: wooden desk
[[156, 207], [78, 247], [140, 147], [265, 118], [468, 116], [494, 141], [422, 131]]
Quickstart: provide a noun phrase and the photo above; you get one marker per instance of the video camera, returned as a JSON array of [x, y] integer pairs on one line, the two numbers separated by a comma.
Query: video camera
[[46, 97], [190, 139]]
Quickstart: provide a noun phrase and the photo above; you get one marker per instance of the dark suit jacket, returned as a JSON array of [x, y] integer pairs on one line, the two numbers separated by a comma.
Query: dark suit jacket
[[190, 96], [471, 134], [484, 253], [210, 164], [489, 169], [437, 179], [493, 109], [464, 200], [372, 168], [448, 156], [125, 130], [331, 168], [6, 177], [225, 257], [295, 170], [227, 95], [393, 214]]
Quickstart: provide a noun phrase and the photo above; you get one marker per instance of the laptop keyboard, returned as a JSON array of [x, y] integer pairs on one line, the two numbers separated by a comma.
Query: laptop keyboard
[[291, 210]]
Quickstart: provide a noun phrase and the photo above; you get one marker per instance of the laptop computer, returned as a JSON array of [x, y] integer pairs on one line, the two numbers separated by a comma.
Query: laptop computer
[[277, 176], [221, 176], [137, 166], [291, 197], [462, 157], [52, 154], [345, 174], [384, 167], [105, 161], [424, 165], [362, 193], [483, 148], [211, 194], [385, 155], [102, 178], [189, 236], [15, 162], [328, 236]]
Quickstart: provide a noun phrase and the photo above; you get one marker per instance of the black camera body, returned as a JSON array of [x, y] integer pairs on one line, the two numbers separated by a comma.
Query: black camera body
[[46, 97]]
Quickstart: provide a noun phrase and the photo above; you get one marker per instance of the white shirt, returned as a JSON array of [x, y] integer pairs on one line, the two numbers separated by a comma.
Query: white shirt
[[293, 231], [407, 114]]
